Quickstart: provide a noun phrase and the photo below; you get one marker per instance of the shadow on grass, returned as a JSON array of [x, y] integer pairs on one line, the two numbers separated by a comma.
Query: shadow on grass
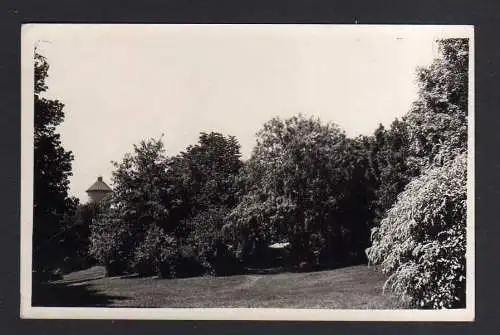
[[65, 295]]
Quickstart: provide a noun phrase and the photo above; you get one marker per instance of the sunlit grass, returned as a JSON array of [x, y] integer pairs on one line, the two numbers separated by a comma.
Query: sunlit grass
[[357, 287]]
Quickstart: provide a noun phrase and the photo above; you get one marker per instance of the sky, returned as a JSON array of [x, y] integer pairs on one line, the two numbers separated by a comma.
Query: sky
[[127, 83]]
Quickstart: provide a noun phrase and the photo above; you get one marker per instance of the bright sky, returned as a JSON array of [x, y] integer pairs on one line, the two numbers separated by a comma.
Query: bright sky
[[123, 84]]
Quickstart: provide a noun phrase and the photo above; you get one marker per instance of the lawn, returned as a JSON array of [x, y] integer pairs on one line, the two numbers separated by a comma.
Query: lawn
[[356, 287]]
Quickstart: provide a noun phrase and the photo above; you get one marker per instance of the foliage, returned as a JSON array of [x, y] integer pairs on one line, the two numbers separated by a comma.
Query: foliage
[[140, 187], [306, 183], [76, 236], [296, 185], [205, 177], [212, 252], [136, 206], [437, 123], [155, 200], [388, 152], [155, 253], [52, 169], [110, 239], [421, 242], [354, 213], [209, 169]]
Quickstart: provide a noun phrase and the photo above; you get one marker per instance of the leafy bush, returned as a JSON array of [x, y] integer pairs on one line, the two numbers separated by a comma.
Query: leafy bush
[[208, 242], [76, 237], [156, 251], [110, 240], [421, 243]]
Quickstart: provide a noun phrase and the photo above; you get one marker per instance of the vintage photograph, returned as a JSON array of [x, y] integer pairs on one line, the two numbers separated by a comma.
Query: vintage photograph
[[265, 172]]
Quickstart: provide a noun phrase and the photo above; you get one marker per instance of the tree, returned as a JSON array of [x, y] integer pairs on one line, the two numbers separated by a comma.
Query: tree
[[76, 236], [140, 202], [155, 203], [389, 152], [354, 214], [209, 244], [421, 242], [110, 239], [297, 184], [209, 170], [52, 169], [437, 122], [205, 174]]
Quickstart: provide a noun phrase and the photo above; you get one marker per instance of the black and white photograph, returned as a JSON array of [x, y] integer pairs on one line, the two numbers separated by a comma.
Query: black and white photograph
[[247, 172]]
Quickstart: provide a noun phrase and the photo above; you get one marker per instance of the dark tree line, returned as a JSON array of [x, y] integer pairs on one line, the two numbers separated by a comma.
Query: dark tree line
[[207, 211], [52, 169]]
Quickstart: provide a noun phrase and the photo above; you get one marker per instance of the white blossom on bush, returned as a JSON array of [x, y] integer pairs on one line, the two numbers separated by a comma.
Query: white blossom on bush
[[421, 242]]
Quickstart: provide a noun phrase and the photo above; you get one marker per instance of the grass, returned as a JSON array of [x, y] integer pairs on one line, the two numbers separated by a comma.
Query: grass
[[356, 287]]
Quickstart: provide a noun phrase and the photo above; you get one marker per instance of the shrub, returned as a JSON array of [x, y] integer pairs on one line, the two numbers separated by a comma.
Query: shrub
[[110, 241], [76, 237], [208, 243], [156, 250], [421, 242]]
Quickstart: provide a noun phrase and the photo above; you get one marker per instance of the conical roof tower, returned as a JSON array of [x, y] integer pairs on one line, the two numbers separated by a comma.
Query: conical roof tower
[[98, 190]]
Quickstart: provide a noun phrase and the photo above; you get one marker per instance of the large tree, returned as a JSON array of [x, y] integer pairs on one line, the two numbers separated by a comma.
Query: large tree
[[437, 122], [208, 173], [136, 209], [210, 168], [300, 183], [421, 242], [52, 169], [158, 203]]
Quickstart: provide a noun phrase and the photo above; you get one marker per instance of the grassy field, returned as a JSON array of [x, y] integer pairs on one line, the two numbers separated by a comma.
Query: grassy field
[[357, 287]]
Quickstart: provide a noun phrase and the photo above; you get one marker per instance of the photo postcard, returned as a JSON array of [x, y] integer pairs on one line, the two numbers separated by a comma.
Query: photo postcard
[[247, 172]]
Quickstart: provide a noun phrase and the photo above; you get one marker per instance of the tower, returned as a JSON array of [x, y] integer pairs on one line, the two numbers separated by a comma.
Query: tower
[[98, 190]]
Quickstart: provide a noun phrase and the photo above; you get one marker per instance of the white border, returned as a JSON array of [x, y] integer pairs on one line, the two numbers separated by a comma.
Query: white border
[[32, 32]]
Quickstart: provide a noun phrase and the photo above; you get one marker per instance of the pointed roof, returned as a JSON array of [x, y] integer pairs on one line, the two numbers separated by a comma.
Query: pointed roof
[[99, 186]]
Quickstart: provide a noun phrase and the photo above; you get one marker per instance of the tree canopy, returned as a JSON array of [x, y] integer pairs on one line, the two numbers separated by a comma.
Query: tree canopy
[[421, 241], [136, 208], [52, 169], [437, 122], [297, 184], [158, 201], [388, 151]]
